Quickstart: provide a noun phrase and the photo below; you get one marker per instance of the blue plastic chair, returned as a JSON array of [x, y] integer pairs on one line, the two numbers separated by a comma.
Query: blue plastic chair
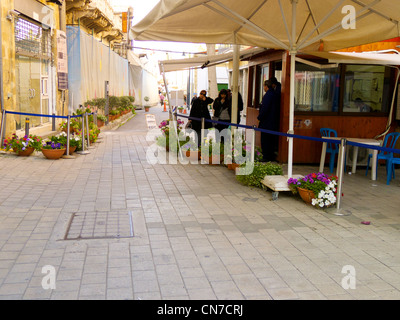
[[389, 142], [391, 163], [331, 148]]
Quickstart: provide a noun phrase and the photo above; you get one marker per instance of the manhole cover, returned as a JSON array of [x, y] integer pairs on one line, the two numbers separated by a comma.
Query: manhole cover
[[99, 225]]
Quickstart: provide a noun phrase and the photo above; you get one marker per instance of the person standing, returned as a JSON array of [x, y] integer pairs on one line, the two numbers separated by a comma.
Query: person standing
[[222, 112], [200, 110], [269, 120], [162, 99], [240, 104]]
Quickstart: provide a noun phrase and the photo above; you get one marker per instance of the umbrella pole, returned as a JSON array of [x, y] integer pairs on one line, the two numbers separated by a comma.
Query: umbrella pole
[[235, 83], [291, 113], [293, 52]]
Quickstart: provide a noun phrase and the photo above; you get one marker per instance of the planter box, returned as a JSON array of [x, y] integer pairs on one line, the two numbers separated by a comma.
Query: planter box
[[193, 155], [215, 159]]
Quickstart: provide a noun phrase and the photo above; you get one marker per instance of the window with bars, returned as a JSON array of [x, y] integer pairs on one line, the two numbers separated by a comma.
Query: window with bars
[[31, 39]]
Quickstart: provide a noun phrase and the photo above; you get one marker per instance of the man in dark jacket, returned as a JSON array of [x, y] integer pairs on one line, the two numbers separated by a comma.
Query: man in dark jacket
[[269, 120], [200, 110], [240, 104]]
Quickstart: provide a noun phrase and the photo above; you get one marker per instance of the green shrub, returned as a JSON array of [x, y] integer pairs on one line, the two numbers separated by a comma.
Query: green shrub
[[114, 102], [125, 102], [102, 117], [260, 170]]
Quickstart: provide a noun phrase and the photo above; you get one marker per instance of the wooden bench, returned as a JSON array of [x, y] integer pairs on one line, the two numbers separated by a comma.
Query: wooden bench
[[278, 184]]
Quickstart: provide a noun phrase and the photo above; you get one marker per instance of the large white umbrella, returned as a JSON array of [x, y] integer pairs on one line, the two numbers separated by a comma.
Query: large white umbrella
[[293, 25]]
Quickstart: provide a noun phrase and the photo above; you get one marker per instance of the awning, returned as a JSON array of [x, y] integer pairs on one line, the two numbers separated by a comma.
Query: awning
[[359, 57], [204, 61]]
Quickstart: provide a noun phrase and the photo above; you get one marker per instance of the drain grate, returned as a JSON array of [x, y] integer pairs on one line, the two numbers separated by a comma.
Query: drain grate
[[99, 225]]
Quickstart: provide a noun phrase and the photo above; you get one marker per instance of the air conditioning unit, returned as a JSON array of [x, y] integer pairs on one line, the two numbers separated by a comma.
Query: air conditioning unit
[[362, 157]]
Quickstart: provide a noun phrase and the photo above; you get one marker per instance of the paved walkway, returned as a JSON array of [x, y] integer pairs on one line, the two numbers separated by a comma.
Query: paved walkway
[[112, 226]]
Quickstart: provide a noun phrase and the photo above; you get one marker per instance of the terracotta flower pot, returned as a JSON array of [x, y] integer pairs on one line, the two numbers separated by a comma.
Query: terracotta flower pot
[[71, 150], [193, 155], [306, 195], [25, 153], [100, 123], [216, 159], [53, 154], [146, 109]]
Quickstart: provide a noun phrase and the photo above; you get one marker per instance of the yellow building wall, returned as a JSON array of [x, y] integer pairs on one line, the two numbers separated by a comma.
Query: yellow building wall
[[9, 62], [8, 54]]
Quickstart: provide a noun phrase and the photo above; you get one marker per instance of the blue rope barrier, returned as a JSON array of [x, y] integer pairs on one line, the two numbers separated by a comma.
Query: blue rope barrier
[[335, 141], [45, 115]]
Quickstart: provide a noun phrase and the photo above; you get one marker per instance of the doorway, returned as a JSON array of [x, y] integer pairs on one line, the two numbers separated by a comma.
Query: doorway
[[33, 51]]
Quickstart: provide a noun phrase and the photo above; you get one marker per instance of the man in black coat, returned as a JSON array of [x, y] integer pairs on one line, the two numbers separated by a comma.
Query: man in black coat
[[200, 110], [240, 104], [269, 120]]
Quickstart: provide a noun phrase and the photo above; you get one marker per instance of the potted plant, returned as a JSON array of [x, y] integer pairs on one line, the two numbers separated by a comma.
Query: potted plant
[[146, 107], [74, 125], [180, 109], [260, 170], [113, 114], [23, 146], [317, 189], [53, 150], [75, 141], [213, 151], [191, 150], [165, 141], [101, 120]]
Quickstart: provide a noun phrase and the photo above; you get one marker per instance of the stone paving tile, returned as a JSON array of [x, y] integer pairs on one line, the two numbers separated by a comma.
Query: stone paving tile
[[198, 233]]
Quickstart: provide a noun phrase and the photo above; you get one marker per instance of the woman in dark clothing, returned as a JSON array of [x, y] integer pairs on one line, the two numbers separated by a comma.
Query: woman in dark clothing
[[200, 110], [222, 110]]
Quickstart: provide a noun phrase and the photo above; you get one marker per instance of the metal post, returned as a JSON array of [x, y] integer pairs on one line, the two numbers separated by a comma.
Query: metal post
[[53, 122], [27, 126], [87, 129], [68, 132], [83, 137], [253, 144], [83, 132], [67, 155], [202, 140], [106, 108], [203, 125], [341, 160], [3, 127]]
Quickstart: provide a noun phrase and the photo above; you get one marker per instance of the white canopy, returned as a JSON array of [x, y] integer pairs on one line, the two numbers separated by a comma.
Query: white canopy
[[204, 61], [293, 25], [269, 23], [360, 57]]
